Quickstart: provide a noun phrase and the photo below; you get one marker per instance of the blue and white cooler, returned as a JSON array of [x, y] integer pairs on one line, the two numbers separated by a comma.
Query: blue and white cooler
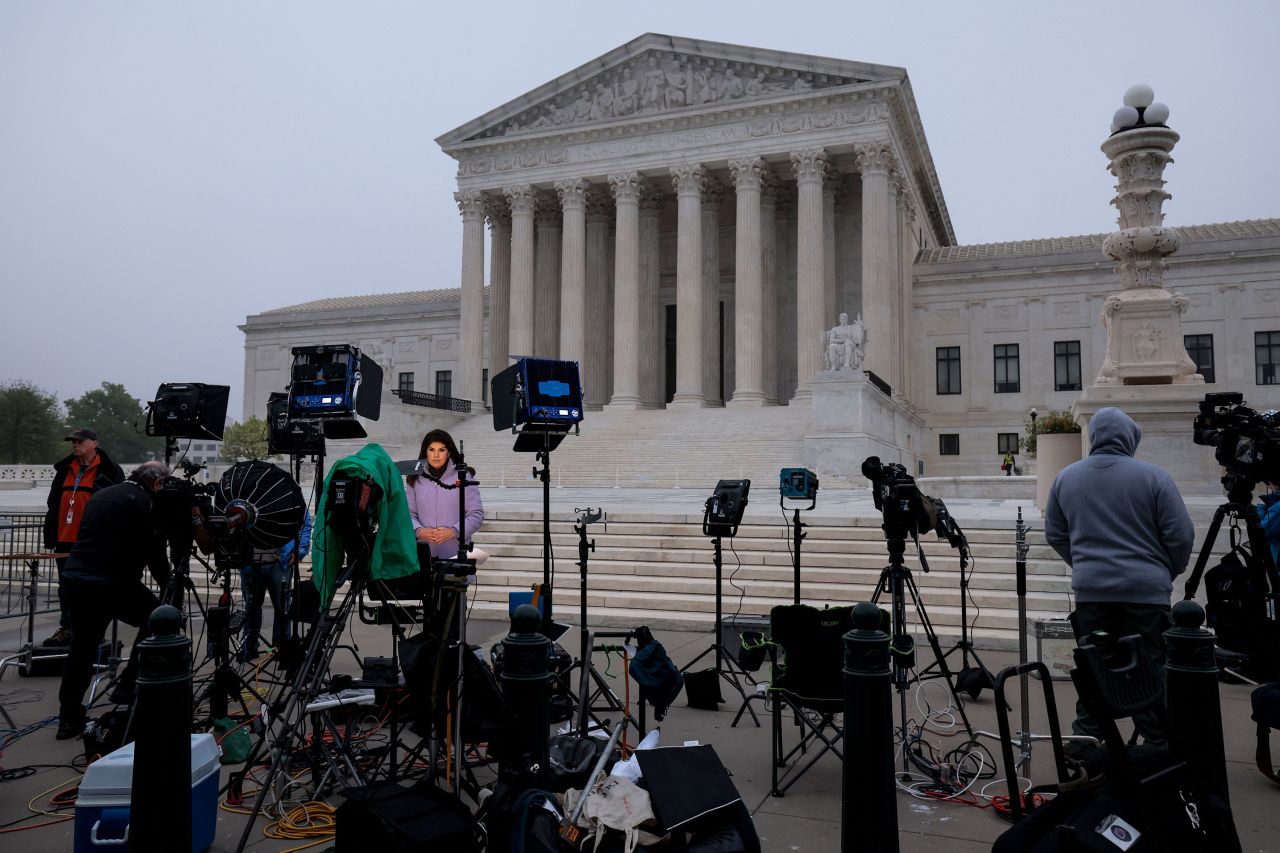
[[102, 807]]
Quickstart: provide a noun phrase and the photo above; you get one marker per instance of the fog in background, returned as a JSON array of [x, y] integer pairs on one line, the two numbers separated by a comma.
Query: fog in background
[[168, 168]]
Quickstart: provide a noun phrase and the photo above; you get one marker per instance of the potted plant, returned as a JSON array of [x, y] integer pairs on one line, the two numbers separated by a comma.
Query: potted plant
[[1053, 440]]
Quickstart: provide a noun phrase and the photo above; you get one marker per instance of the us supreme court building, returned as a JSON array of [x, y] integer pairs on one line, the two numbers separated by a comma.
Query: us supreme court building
[[688, 219]]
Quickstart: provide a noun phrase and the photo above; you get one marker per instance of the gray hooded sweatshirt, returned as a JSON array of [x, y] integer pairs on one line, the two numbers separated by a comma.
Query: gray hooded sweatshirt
[[1118, 522]]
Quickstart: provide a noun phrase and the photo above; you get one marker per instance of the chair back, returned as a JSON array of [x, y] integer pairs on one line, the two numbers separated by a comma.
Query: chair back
[[811, 670]]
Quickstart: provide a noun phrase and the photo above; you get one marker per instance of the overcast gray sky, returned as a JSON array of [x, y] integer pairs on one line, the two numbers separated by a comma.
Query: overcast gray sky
[[168, 168]]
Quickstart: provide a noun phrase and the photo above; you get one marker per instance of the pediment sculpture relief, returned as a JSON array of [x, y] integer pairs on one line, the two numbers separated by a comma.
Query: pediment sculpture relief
[[657, 82]]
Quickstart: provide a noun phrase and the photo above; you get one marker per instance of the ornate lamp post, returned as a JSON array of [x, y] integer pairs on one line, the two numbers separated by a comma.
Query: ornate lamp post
[[1144, 321]]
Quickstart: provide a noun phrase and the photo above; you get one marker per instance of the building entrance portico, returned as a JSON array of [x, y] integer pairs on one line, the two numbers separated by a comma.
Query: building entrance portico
[[747, 196]]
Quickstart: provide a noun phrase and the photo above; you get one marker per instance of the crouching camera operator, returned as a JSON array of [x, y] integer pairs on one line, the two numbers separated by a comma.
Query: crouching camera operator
[[122, 530]]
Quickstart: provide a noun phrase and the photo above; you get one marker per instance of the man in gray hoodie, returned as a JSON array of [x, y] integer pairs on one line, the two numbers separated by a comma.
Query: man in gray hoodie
[[1122, 527]]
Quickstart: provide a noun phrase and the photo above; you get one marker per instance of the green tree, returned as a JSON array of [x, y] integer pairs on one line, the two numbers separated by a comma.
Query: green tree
[[119, 420], [31, 425], [245, 441]]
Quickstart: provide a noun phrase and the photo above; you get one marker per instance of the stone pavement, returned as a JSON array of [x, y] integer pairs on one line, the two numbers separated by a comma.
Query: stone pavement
[[807, 819]]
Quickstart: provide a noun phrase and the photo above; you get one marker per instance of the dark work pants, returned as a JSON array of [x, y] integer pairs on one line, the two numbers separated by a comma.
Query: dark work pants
[[1149, 622], [92, 607], [64, 613]]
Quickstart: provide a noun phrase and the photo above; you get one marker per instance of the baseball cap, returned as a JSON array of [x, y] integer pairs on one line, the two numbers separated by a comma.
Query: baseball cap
[[81, 434]]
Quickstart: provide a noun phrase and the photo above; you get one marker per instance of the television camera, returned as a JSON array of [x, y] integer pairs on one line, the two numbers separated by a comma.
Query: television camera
[[909, 512], [1246, 442]]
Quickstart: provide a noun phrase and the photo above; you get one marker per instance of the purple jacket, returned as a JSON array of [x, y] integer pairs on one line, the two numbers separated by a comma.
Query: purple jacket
[[433, 506]]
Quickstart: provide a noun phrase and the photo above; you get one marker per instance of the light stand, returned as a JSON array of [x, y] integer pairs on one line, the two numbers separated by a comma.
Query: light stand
[[797, 536], [974, 679], [726, 524]]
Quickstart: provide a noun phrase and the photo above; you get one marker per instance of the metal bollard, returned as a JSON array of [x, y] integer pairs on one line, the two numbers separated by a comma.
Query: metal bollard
[[1195, 713], [868, 803], [526, 694], [160, 816]]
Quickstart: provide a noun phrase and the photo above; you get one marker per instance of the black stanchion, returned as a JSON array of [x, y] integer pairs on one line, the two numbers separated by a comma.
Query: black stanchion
[[526, 689], [868, 804], [1195, 713], [160, 816]]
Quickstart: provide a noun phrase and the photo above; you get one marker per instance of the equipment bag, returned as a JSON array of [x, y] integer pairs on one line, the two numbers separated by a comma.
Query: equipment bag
[[1154, 803], [659, 679], [1266, 713], [1239, 611]]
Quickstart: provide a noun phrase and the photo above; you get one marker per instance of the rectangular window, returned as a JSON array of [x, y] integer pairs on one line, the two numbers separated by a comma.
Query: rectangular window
[[949, 444], [406, 382], [444, 383], [948, 370], [1066, 365], [1200, 348], [1007, 369], [1006, 442], [484, 386], [1266, 356]]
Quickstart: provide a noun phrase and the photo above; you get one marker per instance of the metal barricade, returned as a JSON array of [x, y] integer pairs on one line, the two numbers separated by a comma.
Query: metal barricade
[[21, 535]]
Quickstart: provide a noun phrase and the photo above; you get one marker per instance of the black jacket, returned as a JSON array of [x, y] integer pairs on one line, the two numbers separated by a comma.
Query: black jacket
[[118, 536], [109, 474]]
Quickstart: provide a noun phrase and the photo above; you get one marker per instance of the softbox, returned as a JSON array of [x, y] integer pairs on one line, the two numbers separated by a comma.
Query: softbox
[[268, 498]]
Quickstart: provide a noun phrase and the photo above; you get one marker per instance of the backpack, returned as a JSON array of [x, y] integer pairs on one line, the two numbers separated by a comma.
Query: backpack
[[1236, 611], [659, 680]]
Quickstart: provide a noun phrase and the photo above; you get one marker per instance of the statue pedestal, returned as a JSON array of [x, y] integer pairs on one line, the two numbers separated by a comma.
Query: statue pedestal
[[852, 419], [1165, 414]]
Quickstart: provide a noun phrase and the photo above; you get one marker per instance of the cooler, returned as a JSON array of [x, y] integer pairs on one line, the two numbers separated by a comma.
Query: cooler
[[102, 807]]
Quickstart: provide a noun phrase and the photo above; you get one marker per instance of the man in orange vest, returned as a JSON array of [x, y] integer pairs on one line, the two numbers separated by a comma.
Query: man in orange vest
[[75, 479]]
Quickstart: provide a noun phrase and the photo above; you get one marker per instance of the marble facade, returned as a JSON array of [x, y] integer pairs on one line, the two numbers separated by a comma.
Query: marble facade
[[760, 189]]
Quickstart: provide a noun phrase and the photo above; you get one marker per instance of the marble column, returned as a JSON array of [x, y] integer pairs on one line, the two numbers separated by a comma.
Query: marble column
[[712, 194], [831, 190], [748, 285], [499, 213], [652, 345], [810, 167], [784, 320], [906, 252], [773, 289], [626, 296], [471, 313], [573, 270], [689, 179], [879, 258], [521, 336], [596, 366], [894, 366], [546, 285]]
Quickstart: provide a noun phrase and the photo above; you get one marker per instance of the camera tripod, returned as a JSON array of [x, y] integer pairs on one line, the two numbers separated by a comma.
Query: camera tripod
[[291, 720], [897, 580], [1239, 507]]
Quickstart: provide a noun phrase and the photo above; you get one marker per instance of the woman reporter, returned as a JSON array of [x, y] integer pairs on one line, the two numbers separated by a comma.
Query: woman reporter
[[434, 507]]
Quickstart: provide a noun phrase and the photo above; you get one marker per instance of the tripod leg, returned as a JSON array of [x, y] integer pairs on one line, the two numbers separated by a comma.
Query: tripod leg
[[1202, 559], [937, 652]]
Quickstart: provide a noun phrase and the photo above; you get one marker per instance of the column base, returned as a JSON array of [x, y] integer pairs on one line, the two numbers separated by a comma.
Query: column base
[[624, 404], [803, 395], [687, 401], [747, 400]]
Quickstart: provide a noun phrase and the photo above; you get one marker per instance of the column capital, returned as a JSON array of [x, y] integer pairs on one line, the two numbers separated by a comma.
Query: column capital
[[897, 184], [470, 204], [712, 192], [572, 193], [746, 173], [626, 186], [689, 178], [651, 199], [875, 158], [811, 165], [521, 198], [546, 210], [599, 205], [770, 186], [497, 210]]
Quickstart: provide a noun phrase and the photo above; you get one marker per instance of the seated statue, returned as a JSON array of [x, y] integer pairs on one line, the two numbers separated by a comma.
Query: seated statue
[[845, 344]]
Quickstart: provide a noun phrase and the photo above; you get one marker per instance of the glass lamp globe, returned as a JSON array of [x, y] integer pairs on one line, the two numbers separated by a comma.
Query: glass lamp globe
[[1157, 113], [1124, 117], [1139, 95]]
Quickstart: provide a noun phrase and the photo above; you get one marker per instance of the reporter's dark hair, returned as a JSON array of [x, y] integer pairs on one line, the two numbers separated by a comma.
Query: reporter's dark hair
[[447, 440]]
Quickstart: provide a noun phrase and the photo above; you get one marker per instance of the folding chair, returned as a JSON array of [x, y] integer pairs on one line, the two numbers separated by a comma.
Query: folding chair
[[808, 679]]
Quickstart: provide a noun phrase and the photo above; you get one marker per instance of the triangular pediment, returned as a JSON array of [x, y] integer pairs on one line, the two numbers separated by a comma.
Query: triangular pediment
[[657, 74]]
